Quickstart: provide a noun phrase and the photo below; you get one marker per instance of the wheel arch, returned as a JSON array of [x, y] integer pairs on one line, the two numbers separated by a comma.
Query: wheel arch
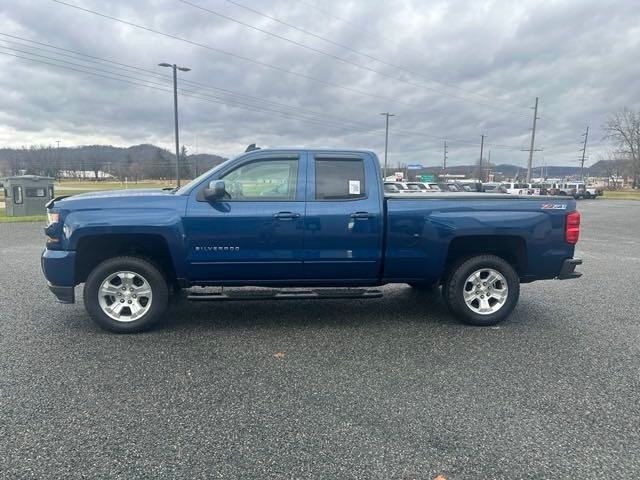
[[511, 248], [91, 250]]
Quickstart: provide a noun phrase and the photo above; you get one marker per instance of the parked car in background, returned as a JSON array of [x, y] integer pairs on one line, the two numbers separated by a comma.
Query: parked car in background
[[538, 189], [402, 187], [493, 187], [591, 191], [417, 186], [434, 186], [449, 187], [572, 189], [391, 187], [474, 185], [515, 188]]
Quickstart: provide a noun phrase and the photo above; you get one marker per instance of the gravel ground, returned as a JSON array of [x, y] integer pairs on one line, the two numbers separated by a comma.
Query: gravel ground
[[385, 388]]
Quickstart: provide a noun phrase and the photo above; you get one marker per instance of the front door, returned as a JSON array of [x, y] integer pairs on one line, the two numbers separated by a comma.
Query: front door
[[343, 224], [255, 232]]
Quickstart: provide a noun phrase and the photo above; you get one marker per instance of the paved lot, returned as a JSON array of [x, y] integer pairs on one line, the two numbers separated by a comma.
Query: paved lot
[[388, 388]]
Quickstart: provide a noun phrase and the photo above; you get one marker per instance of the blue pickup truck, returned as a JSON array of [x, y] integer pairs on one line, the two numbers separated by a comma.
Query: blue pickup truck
[[300, 221]]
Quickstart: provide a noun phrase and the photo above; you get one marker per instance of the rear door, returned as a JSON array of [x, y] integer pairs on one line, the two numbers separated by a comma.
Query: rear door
[[255, 233], [344, 224]]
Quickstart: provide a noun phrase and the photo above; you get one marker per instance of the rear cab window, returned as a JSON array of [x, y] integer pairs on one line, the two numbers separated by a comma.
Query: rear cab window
[[340, 179]]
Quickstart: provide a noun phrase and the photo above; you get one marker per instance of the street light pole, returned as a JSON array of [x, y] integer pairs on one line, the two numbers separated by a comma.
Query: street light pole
[[175, 69], [386, 141]]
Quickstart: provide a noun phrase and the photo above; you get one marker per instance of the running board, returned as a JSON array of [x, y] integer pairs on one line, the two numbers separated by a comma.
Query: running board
[[302, 294]]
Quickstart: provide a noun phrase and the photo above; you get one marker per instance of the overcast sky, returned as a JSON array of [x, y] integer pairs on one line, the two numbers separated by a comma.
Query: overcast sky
[[447, 69]]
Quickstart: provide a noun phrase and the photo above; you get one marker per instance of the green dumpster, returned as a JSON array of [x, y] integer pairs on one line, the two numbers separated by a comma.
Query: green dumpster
[[27, 195]]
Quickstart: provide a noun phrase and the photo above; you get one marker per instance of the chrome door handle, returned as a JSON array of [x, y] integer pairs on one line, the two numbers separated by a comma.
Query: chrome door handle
[[361, 215], [286, 215]]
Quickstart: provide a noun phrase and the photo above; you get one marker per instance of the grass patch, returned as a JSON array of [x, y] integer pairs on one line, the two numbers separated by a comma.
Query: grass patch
[[72, 187], [77, 187], [622, 195], [34, 218]]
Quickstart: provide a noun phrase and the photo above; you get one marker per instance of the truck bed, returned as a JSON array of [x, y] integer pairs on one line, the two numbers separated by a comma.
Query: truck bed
[[422, 228]]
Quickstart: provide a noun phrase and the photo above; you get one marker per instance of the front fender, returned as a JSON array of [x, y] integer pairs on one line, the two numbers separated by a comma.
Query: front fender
[[163, 222]]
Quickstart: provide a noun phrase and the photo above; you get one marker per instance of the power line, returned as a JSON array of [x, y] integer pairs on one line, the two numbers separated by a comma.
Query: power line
[[241, 57], [100, 60], [348, 48], [134, 80], [183, 92], [339, 58]]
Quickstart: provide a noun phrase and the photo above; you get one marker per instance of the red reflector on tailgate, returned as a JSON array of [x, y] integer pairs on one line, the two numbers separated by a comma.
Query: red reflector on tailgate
[[572, 228]]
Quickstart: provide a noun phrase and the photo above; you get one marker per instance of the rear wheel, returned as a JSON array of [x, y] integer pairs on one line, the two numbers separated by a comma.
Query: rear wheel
[[587, 195], [126, 294], [482, 290]]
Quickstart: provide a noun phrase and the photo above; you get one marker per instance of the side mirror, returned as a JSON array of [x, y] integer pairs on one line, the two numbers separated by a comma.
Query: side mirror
[[215, 191]]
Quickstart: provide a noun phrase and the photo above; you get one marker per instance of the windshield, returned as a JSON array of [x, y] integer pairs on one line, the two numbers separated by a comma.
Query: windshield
[[187, 187]]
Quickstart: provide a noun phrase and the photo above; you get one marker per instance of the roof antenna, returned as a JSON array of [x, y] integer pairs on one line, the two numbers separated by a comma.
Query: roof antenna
[[252, 147]]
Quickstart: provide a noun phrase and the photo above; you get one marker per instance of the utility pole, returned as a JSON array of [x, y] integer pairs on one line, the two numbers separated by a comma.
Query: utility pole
[[481, 151], [58, 162], [444, 159], [175, 111], [584, 151], [533, 139], [197, 169], [386, 141]]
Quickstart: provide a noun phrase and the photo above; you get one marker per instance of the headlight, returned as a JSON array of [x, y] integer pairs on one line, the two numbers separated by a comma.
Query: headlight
[[52, 217]]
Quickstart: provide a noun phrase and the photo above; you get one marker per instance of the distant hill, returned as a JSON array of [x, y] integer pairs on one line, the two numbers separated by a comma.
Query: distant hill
[[150, 161], [135, 162], [602, 168]]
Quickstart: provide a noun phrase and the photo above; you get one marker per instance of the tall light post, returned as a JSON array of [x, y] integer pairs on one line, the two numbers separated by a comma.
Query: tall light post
[[386, 141], [175, 111]]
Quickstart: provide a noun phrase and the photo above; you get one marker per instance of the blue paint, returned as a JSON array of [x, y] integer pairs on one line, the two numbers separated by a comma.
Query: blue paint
[[365, 240]]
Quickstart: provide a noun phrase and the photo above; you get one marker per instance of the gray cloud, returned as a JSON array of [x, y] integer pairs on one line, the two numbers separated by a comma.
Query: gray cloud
[[477, 68]]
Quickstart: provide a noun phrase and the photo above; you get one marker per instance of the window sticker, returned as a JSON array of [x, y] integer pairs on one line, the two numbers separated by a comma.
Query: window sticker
[[354, 187]]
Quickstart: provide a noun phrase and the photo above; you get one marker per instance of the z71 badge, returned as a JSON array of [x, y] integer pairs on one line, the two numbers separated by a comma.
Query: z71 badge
[[554, 206]]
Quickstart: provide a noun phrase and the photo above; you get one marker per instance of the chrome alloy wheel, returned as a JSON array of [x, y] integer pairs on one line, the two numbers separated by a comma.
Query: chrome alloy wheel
[[125, 296], [485, 291]]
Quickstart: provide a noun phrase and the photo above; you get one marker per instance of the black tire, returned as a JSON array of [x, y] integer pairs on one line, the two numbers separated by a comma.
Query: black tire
[[140, 266], [453, 289], [587, 196]]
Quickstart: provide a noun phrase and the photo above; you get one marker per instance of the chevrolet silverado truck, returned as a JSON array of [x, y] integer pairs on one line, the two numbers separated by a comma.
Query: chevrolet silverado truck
[[307, 224]]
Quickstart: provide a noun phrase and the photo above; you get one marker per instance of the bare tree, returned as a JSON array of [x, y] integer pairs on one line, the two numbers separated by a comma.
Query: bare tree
[[624, 129]]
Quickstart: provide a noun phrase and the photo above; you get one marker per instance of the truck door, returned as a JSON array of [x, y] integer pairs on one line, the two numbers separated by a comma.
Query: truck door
[[343, 225], [256, 231]]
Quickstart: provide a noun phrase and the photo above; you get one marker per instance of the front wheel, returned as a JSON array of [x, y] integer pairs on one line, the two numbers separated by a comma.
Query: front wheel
[[482, 290], [126, 294]]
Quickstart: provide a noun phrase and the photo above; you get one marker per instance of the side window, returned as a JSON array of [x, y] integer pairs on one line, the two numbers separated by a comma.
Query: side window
[[340, 179], [263, 180], [35, 192], [17, 194]]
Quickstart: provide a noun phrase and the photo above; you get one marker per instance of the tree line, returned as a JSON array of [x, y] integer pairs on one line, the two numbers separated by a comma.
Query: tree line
[[623, 129], [99, 162]]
